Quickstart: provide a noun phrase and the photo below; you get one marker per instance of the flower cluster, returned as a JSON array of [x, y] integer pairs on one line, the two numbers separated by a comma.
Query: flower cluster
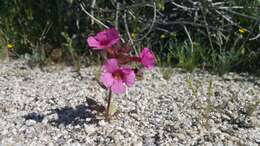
[[116, 70]]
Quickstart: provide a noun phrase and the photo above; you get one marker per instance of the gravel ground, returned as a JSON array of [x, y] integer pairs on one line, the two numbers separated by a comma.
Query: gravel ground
[[56, 106]]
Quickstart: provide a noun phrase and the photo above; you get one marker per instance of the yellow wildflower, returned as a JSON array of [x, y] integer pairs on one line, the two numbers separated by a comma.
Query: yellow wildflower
[[162, 36], [10, 45], [242, 30], [133, 35]]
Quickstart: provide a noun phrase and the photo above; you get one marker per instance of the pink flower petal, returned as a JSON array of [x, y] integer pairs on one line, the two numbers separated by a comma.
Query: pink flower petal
[[118, 87], [107, 79], [129, 76], [112, 42], [110, 65], [108, 37], [147, 58], [92, 42], [113, 33], [113, 36], [101, 36]]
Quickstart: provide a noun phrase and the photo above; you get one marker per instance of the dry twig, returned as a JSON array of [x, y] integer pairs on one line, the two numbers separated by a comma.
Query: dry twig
[[91, 16]]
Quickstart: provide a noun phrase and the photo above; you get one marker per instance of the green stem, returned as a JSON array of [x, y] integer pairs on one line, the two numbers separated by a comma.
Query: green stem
[[108, 105]]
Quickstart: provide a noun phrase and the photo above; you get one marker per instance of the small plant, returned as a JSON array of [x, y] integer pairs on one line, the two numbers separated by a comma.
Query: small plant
[[116, 71], [192, 87], [251, 108], [69, 46], [208, 109], [166, 72], [224, 62], [188, 56]]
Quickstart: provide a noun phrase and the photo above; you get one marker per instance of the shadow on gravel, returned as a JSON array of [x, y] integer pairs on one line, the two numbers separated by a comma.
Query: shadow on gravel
[[34, 116], [79, 115], [245, 79]]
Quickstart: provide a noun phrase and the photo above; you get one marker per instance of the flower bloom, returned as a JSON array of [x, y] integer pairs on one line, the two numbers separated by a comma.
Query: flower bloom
[[104, 39], [10, 45], [115, 77], [242, 30], [162, 36], [133, 35], [147, 58]]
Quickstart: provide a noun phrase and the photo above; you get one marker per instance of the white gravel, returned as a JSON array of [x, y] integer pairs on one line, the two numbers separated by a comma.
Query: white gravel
[[56, 106]]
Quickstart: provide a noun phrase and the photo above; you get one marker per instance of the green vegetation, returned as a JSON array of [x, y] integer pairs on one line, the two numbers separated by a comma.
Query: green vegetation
[[219, 36]]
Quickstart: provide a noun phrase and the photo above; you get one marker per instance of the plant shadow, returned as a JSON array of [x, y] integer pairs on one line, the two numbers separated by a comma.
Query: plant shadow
[[81, 114], [34, 116], [245, 78]]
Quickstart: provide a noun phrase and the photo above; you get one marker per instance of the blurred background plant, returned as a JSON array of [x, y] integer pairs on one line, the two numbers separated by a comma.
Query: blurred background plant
[[215, 35]]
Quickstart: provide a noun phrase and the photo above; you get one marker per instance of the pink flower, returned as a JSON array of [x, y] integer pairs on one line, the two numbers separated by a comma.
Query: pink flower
[[104, 39], [115, 77], [147, 58]]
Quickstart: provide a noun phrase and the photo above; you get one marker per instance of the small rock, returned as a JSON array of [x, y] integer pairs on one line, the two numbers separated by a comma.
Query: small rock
[[219, 144], [30, 122], [88, 119], [208, 144], [102, 123], [30, 132], [61, 140], [90, 129], [138, 143], [148, 141], [45, 121], [4, 132]]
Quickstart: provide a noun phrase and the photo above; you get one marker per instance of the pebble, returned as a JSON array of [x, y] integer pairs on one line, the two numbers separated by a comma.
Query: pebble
[[138, 143], [30, 122], [102, 123]]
